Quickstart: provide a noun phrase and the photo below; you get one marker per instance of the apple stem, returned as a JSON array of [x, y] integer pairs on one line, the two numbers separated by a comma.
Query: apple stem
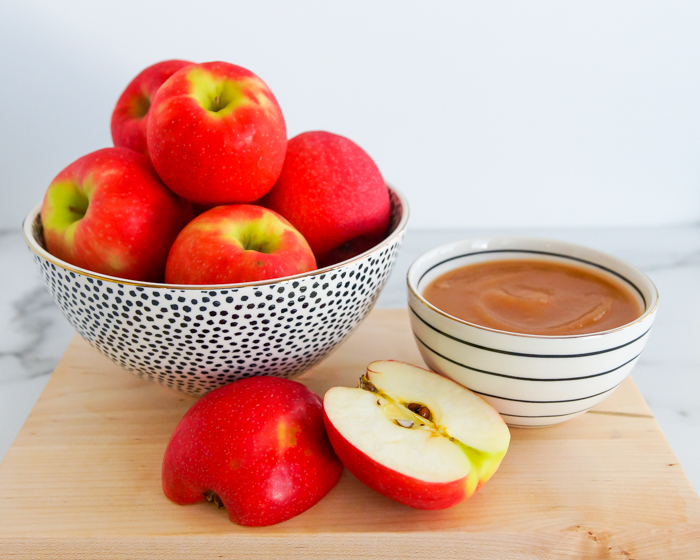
[[216, 103], [367, 386], [78, 211], [213, 497]]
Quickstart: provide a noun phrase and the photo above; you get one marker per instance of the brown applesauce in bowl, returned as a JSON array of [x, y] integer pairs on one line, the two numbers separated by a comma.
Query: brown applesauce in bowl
[[531, 296]]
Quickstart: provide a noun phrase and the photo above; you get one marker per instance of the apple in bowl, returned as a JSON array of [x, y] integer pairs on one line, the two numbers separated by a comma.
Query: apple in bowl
[[130, 115], [333, 193], [414, 436], [108, 212], [216, 134], [236, 244]]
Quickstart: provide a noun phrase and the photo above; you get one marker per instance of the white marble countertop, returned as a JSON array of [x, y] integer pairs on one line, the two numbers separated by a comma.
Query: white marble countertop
[[34, 334]]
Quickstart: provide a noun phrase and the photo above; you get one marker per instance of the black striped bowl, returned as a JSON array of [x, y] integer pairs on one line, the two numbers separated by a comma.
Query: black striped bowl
[[531, 380]]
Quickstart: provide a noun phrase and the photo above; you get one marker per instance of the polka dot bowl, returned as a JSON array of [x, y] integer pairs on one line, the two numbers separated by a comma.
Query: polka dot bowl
[[198, 338]]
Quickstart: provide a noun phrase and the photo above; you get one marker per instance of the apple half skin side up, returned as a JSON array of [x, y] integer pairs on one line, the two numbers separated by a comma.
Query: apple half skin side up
[[216, 134], [109, 212], [237, 243], [130, 114], [439, 470], [259, 444]]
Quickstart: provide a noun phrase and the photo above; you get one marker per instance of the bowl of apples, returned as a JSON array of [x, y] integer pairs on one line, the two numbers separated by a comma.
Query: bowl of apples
[[205, 247]]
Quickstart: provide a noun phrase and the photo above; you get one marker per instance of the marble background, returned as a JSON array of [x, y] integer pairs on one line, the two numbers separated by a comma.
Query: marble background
[[34, 334]]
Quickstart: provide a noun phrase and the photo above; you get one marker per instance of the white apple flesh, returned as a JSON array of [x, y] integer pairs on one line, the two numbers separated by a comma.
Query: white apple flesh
[[415, 436]]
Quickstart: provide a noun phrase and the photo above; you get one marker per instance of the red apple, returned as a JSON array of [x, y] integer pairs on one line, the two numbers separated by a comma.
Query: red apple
[[256, 446], [333, 193], [109, 212], [216, 134], [129, 117], [237, 243], [415, 436]]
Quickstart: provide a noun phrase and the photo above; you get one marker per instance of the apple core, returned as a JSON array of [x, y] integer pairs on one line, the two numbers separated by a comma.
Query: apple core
[[410, 415]]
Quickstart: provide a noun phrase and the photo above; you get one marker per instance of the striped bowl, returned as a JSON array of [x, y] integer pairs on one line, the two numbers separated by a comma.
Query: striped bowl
[[531, 380]]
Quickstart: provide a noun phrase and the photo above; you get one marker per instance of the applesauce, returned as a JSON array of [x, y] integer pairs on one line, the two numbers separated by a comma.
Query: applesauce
[[531, 296]]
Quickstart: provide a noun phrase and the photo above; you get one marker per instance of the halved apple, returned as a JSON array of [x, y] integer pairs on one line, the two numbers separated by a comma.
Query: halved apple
[[416, 437]]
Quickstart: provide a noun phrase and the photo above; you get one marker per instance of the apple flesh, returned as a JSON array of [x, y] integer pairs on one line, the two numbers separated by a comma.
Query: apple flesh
[[108, 212], [237, 243], [130, 115], [216, 134], [257, 446], [334, 194], [415, 436]]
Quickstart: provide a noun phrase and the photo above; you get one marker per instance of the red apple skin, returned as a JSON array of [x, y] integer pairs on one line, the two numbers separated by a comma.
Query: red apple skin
[[334, 194], [209, 156], [131, 218], [211, 249], [392, 484], [259, 444], [130, 115]]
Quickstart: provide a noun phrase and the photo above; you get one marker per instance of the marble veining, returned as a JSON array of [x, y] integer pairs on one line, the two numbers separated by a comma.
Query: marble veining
[[34, 334], [32, 316]]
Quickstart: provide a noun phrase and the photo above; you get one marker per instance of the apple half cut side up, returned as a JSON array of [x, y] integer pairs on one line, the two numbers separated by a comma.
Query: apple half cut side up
[[414, 436]]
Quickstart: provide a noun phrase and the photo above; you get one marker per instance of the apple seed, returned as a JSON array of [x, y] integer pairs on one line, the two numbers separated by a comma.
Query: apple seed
[[420, 409], [404, 423]]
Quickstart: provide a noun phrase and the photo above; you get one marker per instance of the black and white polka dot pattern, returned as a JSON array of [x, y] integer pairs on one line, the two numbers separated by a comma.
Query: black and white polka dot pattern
[[196, 340]]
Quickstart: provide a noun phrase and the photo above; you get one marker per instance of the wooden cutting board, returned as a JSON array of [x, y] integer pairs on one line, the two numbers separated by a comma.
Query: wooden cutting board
[[82, 480]]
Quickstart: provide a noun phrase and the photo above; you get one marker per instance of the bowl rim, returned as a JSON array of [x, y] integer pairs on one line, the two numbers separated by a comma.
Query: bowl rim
[[651, 309], [36, 248]]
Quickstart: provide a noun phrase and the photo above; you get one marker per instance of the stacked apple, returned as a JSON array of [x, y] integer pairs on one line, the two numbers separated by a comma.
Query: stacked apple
[[212, 137]]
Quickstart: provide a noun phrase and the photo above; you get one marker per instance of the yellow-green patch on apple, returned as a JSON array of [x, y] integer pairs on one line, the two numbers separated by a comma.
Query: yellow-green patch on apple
[[109, 212]]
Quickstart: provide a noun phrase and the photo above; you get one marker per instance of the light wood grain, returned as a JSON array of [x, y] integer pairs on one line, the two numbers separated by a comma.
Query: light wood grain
[[82, 480]]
